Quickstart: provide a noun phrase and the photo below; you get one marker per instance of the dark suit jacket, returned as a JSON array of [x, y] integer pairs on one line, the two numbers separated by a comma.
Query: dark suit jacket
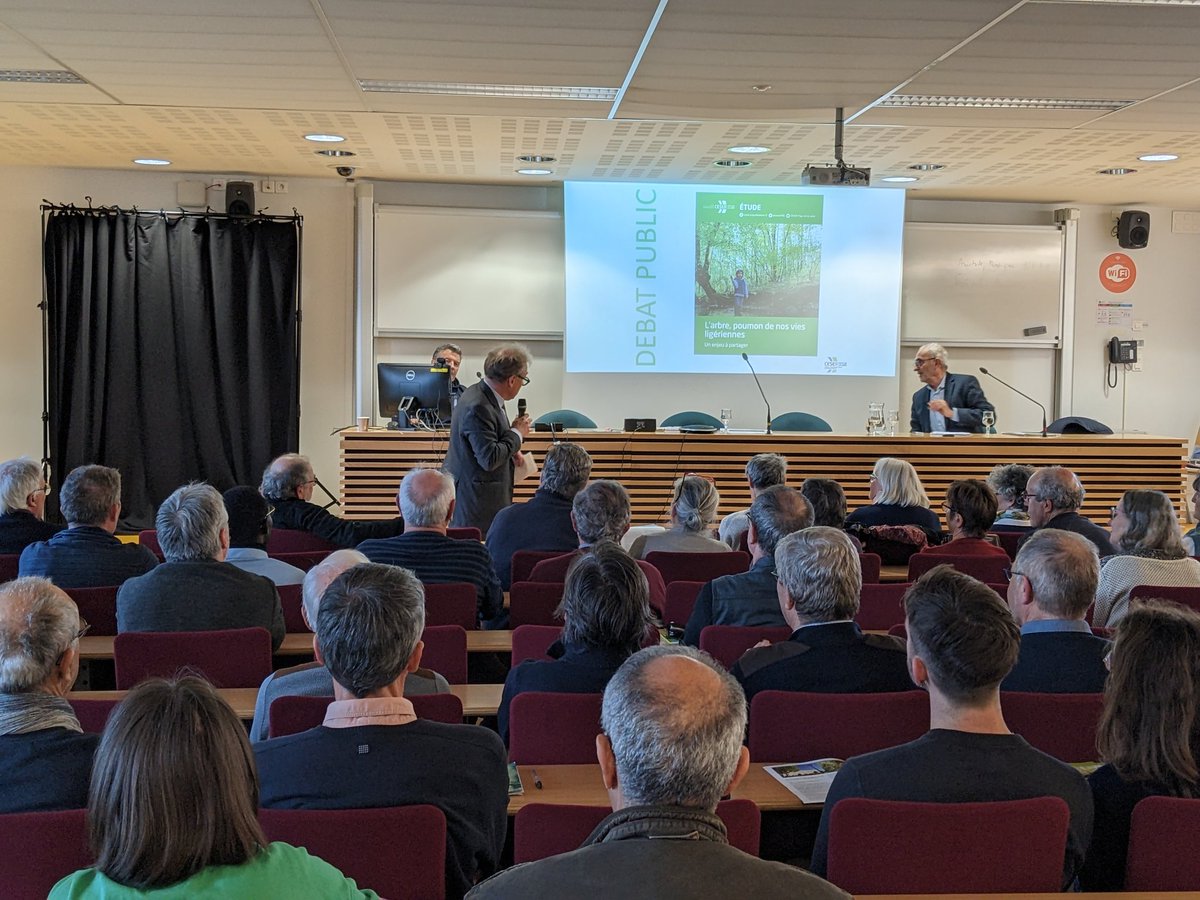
[[1059, 662], [20, 528], [964, 394], [86, 556], [480, 458], [300, 515]]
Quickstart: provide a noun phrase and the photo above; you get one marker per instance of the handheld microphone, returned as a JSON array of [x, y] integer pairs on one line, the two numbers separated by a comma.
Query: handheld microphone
[[760, 390], [521, 407], [1022, 393]]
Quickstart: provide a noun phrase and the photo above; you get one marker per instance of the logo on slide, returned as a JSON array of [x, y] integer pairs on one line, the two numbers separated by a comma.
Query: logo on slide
[[833, 366]]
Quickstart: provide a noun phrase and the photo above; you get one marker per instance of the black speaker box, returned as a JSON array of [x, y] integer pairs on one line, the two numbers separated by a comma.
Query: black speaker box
[[239, 198], [1133, 229]]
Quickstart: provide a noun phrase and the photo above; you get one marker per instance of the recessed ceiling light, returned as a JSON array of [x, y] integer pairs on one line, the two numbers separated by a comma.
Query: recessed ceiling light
[[520, 91], [732, 163], [535, 158], [1158, 157], [749, 148], [40, 76], [324, 138], [333, 152], [926, 167], [908, 101], [899, 179], [153, 162], [760, 88], [535, 171], [1117, 170]]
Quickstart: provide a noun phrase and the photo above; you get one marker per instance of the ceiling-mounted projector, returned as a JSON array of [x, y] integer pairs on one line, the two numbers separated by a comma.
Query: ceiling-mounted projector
[[828, 176]]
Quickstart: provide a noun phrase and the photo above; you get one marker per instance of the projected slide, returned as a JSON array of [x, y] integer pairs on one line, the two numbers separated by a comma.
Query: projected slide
[[687, 278]]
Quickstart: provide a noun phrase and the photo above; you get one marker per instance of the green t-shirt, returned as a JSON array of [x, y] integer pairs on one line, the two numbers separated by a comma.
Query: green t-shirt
[[280, 872]]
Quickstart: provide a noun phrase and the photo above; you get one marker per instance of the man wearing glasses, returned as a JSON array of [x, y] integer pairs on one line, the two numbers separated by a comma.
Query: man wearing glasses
[[485, 445], [946, 402], [23, 493]]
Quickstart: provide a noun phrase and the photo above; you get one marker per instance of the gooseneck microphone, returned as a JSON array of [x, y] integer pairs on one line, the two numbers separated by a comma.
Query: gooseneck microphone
[[1022, 393], [760, 390]]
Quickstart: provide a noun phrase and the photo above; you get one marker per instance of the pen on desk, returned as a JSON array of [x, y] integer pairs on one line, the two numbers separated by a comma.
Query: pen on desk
[[537, 782]]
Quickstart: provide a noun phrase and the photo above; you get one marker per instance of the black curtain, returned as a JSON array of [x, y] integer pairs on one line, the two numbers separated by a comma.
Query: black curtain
[[172, 348]]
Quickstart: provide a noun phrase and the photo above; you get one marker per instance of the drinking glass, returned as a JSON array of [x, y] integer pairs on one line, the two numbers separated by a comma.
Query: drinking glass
[[726, 418], [989, 422]]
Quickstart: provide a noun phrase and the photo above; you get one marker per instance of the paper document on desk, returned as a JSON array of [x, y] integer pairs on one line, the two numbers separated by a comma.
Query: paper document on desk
[[514, 780], [810, 780]]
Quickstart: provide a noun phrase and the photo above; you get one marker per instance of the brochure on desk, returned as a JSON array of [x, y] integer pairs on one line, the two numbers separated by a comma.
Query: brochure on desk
[[810, 780]]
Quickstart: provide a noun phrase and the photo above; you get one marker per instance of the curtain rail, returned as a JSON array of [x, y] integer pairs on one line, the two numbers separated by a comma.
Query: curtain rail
[[209, 213]]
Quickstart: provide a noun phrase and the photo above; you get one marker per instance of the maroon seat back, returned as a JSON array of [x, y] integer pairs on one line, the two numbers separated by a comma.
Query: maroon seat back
[[872, 565], [302, 559], [681, 599], [148, 538], [988, 569], [551, 729], [236, 657], [1187, 595], [532, 642], [39, 849], [292, 714], [446, 651], [9, 566], [727, 643], [523, 561], [454, 603], [892, 847], [1063, 725], [399, 851], [466, 533], [880, 606], [698, 566], [900, 630], [97, 607], [93, 714], [534, 603], [290, 540], [291, 598], [1010, 541], [794, 725], [1163, 852]]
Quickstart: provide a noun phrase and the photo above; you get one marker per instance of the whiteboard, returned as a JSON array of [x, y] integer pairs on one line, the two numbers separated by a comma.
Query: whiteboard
[[981, 284], [466, 272]]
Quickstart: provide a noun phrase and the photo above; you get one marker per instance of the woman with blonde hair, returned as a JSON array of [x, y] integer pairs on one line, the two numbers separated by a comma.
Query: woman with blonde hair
[[898, 521], [694, 502]]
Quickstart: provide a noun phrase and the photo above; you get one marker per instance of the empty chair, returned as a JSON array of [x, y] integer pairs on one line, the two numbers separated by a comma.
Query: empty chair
[[989, 569], [534, 603], [1188, 595], [872, 565], [291, 600], [532, 642], [290, 540], [301, 559], [446, 651], [564, 418], [454, 603], [552, 729], [523, 561], [690, 417], [681, 598], [236, 657], [727, 643], [465, 533], [795, 726], [1164, 850], [880, 606], [1063, 725], [892, 847], [799, 421], [98, 607], [398, 851], [1010, 541], [291, 715], [39, 849], [697, 566], [92, 714]]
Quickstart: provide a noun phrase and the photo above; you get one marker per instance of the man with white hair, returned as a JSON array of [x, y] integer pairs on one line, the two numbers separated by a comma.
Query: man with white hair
[[426, 500], [194, 590], [45, 758], [670, 746], [23, 493], [947, 402]]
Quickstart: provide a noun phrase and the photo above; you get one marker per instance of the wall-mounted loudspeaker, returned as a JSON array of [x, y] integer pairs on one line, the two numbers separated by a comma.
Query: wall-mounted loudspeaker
[[239, 198], [1133, 229]]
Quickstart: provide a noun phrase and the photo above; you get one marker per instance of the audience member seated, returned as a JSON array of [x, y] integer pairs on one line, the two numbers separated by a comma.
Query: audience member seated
[[544, 521], [1191, 540], [1010, 482], [751, 598], [962, 641], [606, 611], [194, 590], [45, 758], [1145, 533], [1053, 583], [694, 504], [288, 485], [86, 554], [23, 493], [819, 584], [827, 503], [173, 808], [600, 512], [670, 747], [898, 521], [1149, 734], [369, 637], [970, 509], [249, 528], [312, 679], [426, 502], [764, 470], [1053, 497]]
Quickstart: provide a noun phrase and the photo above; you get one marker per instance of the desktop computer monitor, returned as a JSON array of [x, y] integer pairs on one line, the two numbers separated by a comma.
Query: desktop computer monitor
[[427, 385]]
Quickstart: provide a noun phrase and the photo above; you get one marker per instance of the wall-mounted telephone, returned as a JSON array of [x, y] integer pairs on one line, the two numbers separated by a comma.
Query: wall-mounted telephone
[[1122, 352]]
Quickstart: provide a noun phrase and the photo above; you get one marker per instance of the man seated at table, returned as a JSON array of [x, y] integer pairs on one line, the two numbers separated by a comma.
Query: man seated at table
[[23, 505], [962, 641], [1053, 498], [249, 529], [544, 521], [426, 501], [970, 509], [670, 747], [288, 484], [194, 590], [751, 598], [1053, 583], [87, 554], [947, 402], [819, 582], [372, 750], [312, 679], [45, 758], [764, 470]]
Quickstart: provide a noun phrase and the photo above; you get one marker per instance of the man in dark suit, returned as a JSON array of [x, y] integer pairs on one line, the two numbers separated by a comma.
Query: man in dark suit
[[1053, 583], [484, 444], [1053, 497], [23, 505], [946, 402]]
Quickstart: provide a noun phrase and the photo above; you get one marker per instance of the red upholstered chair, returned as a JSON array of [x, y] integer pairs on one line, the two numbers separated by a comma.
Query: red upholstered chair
[[892, 847], [1009, 540], [1188, 596], [793, 726], [93, 714], [681, 598], [302, 559], [148, 538], [532, 642], [291, 599], [455, 603], [548, 829], [446, 651], [9, 566], [1164, 847], [467, 533], [290, 540], [727, 643], [900, 631], [698, 566], [523, 561], [235, 657], [549, 729], [39, 849], [989, 569], [534, 603], [97, 607], [1063, 725], [291, 715], [881, 606], [397, 851], [872, 565]]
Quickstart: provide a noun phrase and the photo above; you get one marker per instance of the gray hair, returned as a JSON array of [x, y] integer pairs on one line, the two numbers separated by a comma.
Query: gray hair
[[695, 502], [18, 479], [935, 351], [765, 470], [566, 469], [1059, 485], [88, 493], [425, 497], [319, 577], [189, 523], [606, 600], [370, 621], [820, 569], [1153, 524], [776, 513], [1009, 482], [38, 622], [1063, 569], [441, 348], [601, 512], [899, 483], [673, 750], [285, 476], [505, 361]]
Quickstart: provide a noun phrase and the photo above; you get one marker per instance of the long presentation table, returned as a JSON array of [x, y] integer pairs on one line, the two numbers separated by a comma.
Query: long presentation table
[[374, 461]]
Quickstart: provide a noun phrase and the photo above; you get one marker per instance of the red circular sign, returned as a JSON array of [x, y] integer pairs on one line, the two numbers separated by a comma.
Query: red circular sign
[[1117, 273]]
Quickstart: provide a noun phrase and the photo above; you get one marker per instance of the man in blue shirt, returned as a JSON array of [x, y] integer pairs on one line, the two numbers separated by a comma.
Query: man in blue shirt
[[947, 402]]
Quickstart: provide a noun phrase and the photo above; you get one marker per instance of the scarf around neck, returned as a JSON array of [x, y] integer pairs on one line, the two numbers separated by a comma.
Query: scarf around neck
[[23, 713]]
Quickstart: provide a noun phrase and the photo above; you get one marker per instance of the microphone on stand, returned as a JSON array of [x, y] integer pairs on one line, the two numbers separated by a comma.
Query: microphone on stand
[[760, 390], [1022, 393]]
